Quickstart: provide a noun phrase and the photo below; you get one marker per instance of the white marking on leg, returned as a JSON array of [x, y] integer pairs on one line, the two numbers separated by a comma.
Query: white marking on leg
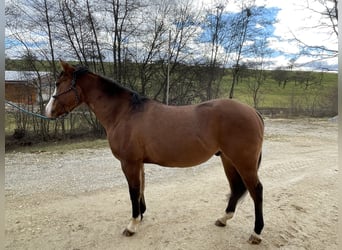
[[256, 235], [225, 217], [133, 225], [255, 238], [48, 108]]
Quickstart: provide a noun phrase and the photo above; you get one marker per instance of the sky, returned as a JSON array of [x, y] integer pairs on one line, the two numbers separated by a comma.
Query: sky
[[294, 18]]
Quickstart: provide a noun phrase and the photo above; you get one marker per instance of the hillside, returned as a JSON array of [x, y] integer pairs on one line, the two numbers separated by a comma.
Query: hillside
[[308, 93]]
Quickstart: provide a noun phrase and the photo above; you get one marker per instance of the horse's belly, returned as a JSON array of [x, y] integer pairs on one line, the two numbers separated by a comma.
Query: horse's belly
[[180, 157], [181, 163]]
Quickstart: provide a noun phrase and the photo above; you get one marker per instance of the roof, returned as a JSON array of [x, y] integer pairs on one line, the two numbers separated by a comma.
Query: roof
[[11, 76]]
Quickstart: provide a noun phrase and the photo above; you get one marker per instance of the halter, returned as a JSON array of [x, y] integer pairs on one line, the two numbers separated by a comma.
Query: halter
[[75, 74]]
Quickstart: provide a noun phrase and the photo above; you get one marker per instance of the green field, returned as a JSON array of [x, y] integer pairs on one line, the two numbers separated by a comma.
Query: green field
[[317, 95]]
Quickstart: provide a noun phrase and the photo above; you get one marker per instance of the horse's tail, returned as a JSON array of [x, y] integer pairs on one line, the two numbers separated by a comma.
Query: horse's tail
[[263, 124], [260, 116], [260, 158]]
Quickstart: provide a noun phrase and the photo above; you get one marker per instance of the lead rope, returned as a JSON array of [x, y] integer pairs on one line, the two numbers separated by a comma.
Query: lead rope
[[29, 112]]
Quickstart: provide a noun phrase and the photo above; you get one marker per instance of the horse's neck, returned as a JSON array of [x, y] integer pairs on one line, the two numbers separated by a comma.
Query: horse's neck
[[108, 110]]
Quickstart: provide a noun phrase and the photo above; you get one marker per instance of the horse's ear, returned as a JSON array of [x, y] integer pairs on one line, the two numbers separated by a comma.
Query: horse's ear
[[65, 66]]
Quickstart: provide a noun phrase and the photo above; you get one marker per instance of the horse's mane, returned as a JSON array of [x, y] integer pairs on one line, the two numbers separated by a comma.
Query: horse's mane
[[112, 89]]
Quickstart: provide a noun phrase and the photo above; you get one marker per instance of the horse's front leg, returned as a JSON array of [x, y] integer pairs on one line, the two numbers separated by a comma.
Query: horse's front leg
[[135, 177]]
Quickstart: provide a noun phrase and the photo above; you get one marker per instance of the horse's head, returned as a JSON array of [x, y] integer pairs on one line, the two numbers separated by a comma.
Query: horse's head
[[67, 94]]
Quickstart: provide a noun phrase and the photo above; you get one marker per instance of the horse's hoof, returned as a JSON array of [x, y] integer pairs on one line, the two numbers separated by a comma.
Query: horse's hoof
[[127, 233], [254, 239], [219, 223]]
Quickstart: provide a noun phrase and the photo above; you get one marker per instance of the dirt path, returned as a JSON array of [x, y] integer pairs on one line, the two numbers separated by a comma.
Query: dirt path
[[79, 199]]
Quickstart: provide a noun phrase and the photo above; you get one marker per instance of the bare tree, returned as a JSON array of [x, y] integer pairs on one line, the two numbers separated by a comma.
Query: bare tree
[[36, 21], [182, 23], [72, 30], [240, 32], [95, 42], [78, 34], [257, 66], [229, 31], [120, 25], [215, 26], [31, 22], [327, 11], [149, 44], [167, 30]]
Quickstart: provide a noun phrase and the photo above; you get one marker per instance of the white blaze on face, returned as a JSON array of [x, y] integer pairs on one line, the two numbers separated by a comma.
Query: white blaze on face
[[48, 108]]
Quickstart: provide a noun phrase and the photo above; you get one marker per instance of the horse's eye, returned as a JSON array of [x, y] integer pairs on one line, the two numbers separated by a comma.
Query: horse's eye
[[57, 83]]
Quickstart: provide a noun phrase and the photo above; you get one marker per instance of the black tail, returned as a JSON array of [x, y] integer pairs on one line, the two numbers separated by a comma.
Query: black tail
[[260, 158], [263, 123], [260, 116]]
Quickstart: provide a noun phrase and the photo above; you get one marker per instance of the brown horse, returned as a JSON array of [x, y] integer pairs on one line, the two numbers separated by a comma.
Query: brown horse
[[141, 130]]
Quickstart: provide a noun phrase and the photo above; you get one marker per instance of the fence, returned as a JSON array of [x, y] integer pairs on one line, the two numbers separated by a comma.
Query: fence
[[19, 124], [273, 112]]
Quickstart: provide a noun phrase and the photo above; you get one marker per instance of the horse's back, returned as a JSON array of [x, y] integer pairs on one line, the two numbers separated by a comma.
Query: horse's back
[[231, 114], [215, 117]]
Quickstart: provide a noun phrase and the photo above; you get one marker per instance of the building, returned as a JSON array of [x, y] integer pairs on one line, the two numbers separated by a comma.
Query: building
[[22, 86]]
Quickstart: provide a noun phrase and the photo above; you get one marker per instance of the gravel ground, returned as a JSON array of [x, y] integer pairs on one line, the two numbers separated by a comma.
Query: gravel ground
[[77, 171], [78, 199]]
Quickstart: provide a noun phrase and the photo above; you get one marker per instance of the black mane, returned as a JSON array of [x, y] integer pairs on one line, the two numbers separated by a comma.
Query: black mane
[[112, 89]]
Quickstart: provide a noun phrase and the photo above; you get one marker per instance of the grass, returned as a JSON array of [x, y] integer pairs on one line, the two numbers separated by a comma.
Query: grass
[[59, 146], [275, 96], [32, 142], [10, 124]]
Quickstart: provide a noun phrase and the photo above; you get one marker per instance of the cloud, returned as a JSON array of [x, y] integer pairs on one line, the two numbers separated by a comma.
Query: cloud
[[294, 18], [297, 19]]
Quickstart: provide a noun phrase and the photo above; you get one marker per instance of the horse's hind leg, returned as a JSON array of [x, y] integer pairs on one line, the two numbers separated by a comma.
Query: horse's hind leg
[[237, 187], [142, 198], [245, 179], [255, 189]]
